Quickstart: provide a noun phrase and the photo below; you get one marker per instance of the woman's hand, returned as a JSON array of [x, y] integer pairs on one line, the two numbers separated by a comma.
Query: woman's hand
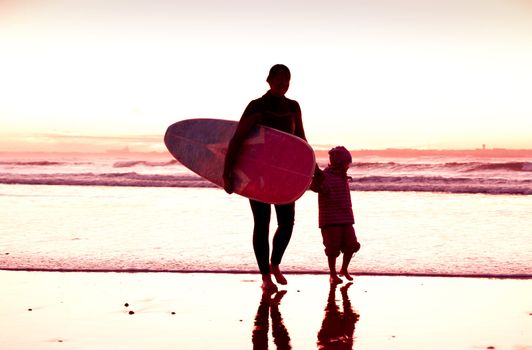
[[317, 180], [228, 181], [241, 132]]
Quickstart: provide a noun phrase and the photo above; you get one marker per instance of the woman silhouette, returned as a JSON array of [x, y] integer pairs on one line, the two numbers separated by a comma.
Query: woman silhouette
[[276, 111]]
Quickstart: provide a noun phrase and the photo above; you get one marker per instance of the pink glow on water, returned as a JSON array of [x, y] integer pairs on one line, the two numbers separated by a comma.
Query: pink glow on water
[[191, 229]]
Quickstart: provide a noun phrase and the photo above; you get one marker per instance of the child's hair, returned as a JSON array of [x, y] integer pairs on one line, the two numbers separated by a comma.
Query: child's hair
[[339, 155], [276, 69]]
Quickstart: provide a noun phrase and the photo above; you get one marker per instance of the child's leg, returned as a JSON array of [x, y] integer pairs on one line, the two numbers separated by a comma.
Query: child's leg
[[349, 246], [334, 279], [345, 266], [331, 235]]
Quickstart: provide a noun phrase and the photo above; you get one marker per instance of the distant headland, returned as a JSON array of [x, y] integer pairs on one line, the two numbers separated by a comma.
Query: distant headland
[[321, 152], [410, 152]]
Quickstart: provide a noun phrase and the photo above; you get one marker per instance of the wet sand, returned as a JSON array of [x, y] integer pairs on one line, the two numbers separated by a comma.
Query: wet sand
[[52, 310]]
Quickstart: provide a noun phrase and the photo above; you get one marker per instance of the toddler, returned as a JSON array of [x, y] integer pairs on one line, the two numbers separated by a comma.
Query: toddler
[[336, 218]]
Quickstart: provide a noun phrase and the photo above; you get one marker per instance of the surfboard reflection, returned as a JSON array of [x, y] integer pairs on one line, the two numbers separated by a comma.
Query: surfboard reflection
[[269, 306], [338, 327]]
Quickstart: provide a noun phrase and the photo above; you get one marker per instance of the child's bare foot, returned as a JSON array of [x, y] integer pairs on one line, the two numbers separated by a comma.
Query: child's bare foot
[[346, 274], [334, 279], [267, 284], [278, 275]]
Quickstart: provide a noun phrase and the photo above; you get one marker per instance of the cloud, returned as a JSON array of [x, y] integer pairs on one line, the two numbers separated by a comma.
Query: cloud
[[73, 142], [61, 136]]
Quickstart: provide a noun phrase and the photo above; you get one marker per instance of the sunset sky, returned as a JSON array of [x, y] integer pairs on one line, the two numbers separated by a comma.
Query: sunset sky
[[92, 75]]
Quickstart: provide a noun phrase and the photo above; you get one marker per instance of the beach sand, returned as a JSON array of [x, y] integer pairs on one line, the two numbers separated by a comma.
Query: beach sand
[[75, 310]]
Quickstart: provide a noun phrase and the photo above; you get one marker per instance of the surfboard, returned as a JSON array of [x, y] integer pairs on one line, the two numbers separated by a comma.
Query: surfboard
[[272, 166]]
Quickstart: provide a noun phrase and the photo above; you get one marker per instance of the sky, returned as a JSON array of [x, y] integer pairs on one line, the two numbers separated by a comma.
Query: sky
[[94, 75]]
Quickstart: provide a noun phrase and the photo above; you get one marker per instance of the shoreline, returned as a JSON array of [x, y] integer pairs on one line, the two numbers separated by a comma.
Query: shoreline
[[229, 311], [248, 272]]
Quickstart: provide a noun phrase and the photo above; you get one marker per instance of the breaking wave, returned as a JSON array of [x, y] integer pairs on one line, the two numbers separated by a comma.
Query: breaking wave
[[363, 183]]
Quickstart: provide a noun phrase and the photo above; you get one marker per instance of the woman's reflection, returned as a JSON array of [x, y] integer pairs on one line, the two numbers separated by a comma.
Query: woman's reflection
[[338, 326], [269, 304]]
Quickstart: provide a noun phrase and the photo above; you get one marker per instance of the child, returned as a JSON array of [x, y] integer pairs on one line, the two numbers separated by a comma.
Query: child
[[336, 218]]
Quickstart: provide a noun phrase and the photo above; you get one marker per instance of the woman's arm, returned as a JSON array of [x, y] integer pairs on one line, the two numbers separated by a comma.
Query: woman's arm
[[246, 123], [317, 180], [299, 130]]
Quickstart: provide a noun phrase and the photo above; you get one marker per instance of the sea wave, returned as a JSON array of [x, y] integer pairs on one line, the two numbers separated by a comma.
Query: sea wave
[[38, 163], [107, 179], [134, 163], [382, 166], [441, 184], [363, 183], [448, 166], [116, 164], [509, 166]]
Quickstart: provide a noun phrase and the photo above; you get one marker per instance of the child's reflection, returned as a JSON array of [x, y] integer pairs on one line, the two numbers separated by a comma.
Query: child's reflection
[[269, 304], [338, 326]]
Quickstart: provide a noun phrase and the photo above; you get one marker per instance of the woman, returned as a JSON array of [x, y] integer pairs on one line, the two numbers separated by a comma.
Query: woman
[[276, 111]]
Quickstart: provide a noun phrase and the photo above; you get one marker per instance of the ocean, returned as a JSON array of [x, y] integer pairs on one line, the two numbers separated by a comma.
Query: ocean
[[447, 174], [424, 215]]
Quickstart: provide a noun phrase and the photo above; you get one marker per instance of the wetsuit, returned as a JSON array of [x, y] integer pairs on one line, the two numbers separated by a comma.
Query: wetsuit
[[283, 114]]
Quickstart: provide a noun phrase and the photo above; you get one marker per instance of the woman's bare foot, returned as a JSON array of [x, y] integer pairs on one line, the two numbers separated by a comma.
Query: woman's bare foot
[[267, 284], [334, 279], [278, 275], [276, 300], [346, 274], [345, 287]]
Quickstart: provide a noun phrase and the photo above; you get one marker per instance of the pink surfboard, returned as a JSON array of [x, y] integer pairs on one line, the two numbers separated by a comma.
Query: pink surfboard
[[272, 166]]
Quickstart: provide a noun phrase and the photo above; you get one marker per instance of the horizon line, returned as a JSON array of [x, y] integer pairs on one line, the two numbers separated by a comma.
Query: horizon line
[[317, 148]]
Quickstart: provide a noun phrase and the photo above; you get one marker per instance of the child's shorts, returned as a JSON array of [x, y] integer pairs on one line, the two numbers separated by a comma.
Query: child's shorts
[[339, 238]]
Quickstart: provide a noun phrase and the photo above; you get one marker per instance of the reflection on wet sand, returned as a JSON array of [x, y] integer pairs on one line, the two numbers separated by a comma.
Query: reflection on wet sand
[[338, 327], [269, 305]]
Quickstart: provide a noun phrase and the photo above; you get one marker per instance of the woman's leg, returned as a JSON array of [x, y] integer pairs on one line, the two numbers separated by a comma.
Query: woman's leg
[[261, 246], [285, 225]]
